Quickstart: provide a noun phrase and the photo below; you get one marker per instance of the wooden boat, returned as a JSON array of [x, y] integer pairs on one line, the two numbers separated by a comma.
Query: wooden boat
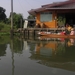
[[45, 35]]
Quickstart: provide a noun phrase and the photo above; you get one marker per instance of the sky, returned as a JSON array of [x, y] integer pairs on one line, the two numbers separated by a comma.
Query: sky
[[23, 6]]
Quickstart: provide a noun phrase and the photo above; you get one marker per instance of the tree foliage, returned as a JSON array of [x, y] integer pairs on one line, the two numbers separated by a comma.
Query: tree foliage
[[17, 20], [2, 14], [31, 16]]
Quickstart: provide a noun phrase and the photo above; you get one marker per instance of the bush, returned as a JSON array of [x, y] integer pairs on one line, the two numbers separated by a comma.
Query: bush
[[4, 27], [1, 26]]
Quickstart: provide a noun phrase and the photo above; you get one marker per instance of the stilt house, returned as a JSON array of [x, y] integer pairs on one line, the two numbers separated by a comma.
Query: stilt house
[[54, 15]]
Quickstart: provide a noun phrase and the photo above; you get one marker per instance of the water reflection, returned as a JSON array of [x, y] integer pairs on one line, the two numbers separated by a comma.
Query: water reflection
[[18, 55], [3, 46], [55, 53], [26, 45], [8, 48], [71, 42], [2, 49]]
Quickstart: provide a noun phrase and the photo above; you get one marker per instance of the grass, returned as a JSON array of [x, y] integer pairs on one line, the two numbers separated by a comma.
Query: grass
[[5, 29], [4, 33]]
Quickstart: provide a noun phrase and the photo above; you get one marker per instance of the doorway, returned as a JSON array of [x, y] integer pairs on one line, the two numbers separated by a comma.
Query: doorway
[[70, 18]]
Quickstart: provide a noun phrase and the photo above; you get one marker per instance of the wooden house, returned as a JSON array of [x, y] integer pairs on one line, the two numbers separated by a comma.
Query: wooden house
[[55, 15]]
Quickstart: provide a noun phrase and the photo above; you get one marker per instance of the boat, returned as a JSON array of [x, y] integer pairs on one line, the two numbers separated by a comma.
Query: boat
[[54, 35]]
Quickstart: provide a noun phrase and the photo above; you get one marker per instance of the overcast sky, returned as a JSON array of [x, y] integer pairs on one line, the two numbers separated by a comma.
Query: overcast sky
[[22, 6]]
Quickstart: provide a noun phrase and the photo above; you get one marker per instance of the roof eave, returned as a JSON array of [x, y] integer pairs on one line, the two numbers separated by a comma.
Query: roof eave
[[34, 11], [59, 8]]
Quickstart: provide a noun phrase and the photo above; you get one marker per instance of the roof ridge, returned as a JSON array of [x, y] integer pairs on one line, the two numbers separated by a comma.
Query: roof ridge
[[58, 3]]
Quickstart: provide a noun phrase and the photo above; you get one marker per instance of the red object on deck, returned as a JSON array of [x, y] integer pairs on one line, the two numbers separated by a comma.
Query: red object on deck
[[63, 33]]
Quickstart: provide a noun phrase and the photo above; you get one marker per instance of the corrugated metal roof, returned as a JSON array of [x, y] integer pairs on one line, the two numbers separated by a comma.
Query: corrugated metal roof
[[30, 19], [59, 8], [53, 6]]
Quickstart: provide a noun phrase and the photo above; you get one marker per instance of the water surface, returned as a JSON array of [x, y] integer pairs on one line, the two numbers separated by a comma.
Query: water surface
[[37, 57]]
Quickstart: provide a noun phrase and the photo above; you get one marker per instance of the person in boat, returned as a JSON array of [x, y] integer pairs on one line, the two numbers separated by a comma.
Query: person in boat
[[72, 31], [68, 29]]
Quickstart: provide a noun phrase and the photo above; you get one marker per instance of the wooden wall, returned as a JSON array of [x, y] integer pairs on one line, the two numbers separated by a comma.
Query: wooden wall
[[49, 24]]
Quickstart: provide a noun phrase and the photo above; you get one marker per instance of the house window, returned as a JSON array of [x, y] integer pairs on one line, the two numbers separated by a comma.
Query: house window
[[45, 16]]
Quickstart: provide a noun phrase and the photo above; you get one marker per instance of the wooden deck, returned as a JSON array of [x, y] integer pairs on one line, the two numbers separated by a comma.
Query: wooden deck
[[45, 29], [34, 31]]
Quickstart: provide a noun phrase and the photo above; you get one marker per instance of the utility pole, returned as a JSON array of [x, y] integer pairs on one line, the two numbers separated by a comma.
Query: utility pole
[[11, 17]]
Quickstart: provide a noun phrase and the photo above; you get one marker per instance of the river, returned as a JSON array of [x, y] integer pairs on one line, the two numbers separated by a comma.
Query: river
[[52, 56]]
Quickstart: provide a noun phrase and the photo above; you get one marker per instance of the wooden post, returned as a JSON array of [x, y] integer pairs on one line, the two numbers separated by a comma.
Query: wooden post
[[11, 18], [34, 32], [28, 34], [24, 33]]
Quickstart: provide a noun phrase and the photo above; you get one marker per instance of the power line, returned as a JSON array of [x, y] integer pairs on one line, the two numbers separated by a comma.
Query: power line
[[21, 5]]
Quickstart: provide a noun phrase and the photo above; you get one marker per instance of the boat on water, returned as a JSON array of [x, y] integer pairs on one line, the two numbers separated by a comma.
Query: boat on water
[[54, 35]]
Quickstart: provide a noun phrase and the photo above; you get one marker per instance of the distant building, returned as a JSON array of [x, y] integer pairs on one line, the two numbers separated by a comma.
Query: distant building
[[29, 23]]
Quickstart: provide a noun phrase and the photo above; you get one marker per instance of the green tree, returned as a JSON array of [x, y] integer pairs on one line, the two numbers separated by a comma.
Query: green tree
[[31, 16], [2, 14], [17, 20]]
